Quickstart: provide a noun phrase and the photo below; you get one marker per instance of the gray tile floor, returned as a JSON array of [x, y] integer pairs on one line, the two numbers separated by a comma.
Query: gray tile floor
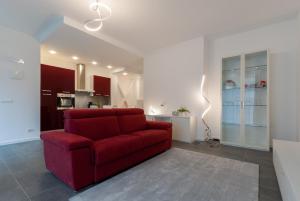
[[23, 176]]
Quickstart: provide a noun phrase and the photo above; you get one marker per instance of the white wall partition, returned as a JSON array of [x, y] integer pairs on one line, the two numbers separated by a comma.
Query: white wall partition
[[19, 99], [172, 78]]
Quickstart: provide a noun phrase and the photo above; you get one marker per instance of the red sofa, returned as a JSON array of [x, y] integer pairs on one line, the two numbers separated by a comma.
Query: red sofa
[[97, 144]]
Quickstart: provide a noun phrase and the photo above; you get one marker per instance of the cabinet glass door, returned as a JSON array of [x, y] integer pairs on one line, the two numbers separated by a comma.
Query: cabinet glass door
[[255, 100], [231, 100]]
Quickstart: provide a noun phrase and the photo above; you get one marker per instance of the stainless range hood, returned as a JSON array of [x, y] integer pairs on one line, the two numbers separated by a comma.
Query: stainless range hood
[[81, 79]]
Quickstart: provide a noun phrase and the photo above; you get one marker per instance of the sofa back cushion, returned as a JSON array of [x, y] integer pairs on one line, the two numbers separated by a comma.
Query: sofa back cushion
[[98, 124], [93, 124], [131, 120]]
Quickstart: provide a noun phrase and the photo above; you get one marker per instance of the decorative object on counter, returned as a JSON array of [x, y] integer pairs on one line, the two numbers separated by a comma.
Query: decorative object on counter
[[125, 104], [229, 84], [153, 111], [261, 84], [183, 111], [175, 113], [93, 105]]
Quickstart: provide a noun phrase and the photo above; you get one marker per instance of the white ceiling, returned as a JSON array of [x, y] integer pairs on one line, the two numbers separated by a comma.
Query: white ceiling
[[151, 24], [68, 41]]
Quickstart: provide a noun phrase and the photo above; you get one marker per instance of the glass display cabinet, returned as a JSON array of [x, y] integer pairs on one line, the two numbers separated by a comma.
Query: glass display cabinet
[[245, 100]]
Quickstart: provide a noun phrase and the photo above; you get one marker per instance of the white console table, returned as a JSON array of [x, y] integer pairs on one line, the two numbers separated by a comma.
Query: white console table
[[184, 128]]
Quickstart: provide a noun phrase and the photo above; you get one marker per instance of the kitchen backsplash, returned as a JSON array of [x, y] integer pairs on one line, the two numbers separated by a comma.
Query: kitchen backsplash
[[82, 100]]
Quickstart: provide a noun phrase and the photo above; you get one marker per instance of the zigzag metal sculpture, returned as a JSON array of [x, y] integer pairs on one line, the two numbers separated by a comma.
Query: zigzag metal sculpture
[[208, 136]]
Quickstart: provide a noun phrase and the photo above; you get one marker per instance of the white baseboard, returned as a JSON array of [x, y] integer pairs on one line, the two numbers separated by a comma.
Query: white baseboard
[[18, 141]]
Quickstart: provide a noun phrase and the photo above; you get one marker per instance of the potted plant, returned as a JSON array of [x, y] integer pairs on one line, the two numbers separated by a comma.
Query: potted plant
[[183, 111]]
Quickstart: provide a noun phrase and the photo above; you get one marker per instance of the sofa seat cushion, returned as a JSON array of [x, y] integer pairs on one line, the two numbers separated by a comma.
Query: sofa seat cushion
[[151, 137], [113, 148]]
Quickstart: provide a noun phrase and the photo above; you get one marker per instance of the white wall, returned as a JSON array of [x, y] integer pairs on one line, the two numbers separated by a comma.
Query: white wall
[[19, 99], [172, 76], [298, 74], [127, 88], [116, 95], [282, 41]]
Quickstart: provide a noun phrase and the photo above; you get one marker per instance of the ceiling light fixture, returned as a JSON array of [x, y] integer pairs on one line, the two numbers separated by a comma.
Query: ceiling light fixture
[[75, 58], [125, 73], [94, 62], [103, 11], [109, 67], [52, 51]]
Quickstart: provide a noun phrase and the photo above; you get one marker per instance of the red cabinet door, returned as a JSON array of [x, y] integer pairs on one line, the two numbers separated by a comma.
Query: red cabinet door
[[48, 79], [48, 111], [48, 98], [98, 83], [54, 80], [58, 80], [106, 87], [60, 119], [101, 86], [67, 81]]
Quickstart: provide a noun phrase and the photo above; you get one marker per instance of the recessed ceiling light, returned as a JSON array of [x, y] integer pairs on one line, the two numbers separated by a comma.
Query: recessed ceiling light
[[75, 58], [125, 73], [52, 51], [94, 62], [109, 67]]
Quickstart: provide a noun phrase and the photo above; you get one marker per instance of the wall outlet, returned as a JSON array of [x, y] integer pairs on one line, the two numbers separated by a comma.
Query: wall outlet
[[30, 130]]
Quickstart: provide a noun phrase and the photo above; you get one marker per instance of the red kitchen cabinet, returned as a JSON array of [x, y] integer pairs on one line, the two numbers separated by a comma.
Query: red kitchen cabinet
[[97, 85], [106, 88], [102, 86], [60, 119], [48, 98], [58, 80], [65, 80], [48, 111], [54, 80]]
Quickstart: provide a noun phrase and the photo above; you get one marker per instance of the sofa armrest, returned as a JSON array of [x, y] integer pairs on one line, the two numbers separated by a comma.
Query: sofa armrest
[[159, 125], [67, 141], [69, 157]]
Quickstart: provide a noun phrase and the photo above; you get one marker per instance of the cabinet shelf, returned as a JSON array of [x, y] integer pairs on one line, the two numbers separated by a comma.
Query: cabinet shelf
[[247, 125], [248, 68], [245, 105], [246, 88], [264, 66]]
